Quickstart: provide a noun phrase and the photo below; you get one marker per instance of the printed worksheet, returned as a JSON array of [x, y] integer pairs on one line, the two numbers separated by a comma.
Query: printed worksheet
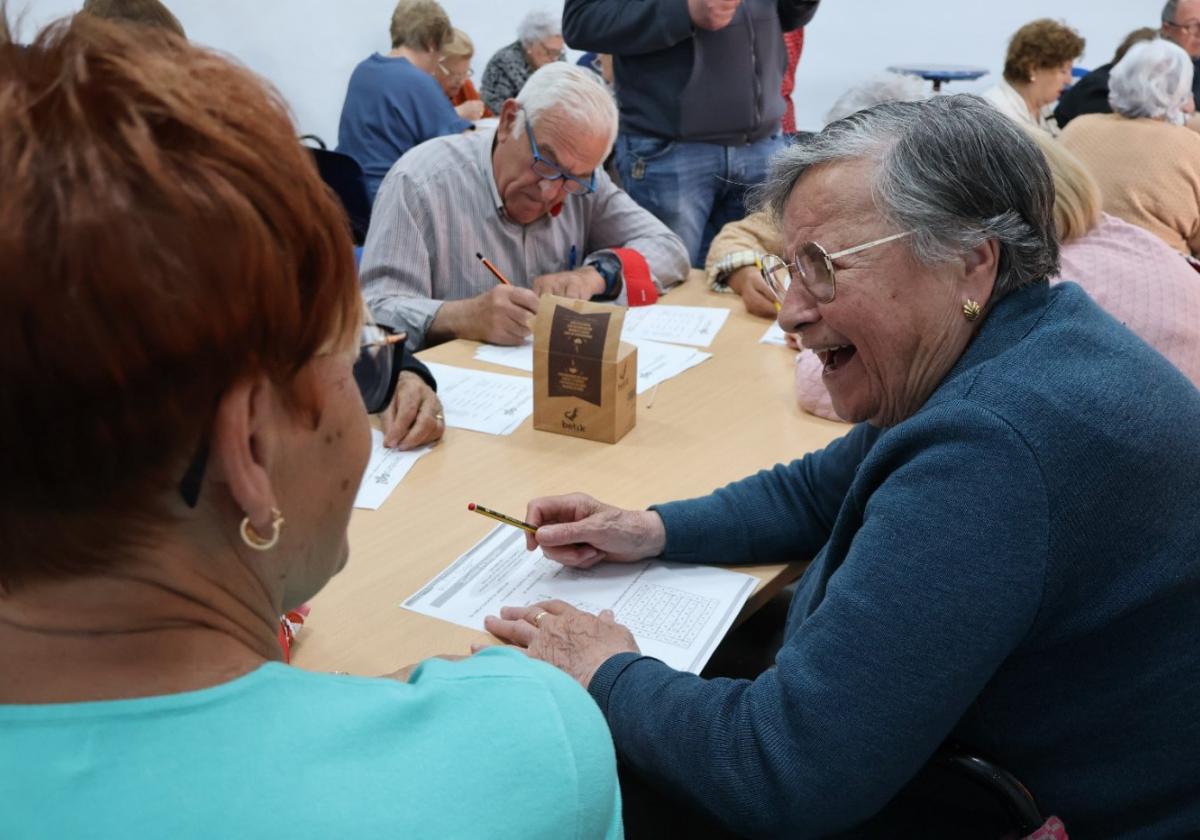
[[697, 325], [385, 470], [483, 402], [657, 362], [774, 335], [677, 613]]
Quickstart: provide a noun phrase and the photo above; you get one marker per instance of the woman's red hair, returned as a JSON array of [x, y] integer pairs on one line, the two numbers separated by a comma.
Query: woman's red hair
[[163, 235]]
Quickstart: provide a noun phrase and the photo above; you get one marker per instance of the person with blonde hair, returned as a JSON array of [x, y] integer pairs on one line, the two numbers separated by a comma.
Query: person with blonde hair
[[454, 72], [1036, 69], [393, 102], [1146, 162], [1143, 283]]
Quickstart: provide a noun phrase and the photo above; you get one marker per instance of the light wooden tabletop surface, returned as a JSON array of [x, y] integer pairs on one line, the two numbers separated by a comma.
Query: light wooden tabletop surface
[[722, 420]]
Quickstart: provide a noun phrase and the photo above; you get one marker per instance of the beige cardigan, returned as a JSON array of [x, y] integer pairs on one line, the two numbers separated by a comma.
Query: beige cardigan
[[1148, 171]]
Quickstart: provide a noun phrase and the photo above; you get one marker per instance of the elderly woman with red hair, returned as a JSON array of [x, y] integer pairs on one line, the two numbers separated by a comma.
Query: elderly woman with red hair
[[179, 319]]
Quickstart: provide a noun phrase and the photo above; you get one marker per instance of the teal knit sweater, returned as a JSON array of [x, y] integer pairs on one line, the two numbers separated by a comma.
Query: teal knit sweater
[[1017, 566]]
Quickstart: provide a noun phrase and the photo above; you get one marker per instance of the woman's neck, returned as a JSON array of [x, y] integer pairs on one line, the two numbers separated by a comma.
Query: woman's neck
[[1025, 89], [421, 59], [141, 629]]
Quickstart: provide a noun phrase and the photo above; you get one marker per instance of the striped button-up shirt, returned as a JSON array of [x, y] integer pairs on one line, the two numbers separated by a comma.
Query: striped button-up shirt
[[439, 205]]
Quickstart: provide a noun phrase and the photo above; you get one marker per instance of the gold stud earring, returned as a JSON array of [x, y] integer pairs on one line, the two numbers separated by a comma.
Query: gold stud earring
[[971, 310], [259, 543]]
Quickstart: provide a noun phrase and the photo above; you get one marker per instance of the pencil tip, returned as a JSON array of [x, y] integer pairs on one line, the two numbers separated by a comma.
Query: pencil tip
[[470, 506], [478, 255]]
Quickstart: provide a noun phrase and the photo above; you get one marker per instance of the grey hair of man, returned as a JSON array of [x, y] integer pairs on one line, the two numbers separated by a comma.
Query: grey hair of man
[[885, 87], [953, 170], [537, 26], [569, 99], [1170, 9], [1153, 80]]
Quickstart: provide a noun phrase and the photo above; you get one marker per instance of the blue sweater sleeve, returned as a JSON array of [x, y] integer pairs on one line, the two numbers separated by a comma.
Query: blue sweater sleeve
[[775, 516], [626, 27], [433, 114], [939, 576]]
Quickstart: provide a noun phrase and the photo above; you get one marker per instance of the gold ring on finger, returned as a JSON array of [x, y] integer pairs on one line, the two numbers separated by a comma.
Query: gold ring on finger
[[537, 619]]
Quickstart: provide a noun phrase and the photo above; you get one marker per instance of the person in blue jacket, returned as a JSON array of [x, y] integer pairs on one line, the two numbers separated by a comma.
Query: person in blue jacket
[[1004, 548], [393, 102], [698, 84]]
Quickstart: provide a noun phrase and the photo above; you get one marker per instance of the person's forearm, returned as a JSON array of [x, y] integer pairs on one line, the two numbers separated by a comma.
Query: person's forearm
[[623, 28], [454, 319]]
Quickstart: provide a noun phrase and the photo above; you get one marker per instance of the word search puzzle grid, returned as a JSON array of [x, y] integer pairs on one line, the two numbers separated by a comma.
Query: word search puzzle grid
[[665, 614]]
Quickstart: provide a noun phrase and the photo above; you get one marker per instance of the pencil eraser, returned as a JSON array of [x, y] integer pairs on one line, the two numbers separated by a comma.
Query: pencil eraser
[[470, 506]]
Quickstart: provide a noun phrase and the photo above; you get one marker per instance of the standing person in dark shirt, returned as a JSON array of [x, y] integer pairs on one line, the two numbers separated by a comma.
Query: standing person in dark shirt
[[698, 85]]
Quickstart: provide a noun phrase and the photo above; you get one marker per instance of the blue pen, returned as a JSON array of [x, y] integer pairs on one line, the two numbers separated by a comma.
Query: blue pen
[[571, 259]]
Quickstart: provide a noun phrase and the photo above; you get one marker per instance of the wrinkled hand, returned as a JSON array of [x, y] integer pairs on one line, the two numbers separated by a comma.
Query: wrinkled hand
[[576, 530], [471, 110], [414, 415], [405, 673], [756, 294], [504, 314], [581, 283], [571, 640], [712, 14]]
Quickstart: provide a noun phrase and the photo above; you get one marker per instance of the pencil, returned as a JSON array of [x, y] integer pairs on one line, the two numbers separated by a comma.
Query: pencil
[[387, 341], [500, 517], [495, 271]]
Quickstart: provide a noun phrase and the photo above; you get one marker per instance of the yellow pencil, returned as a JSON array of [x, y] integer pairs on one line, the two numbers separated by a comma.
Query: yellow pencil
[[500, 517]]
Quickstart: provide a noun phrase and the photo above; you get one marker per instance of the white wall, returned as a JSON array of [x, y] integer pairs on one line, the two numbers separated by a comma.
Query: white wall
[[307, 48]]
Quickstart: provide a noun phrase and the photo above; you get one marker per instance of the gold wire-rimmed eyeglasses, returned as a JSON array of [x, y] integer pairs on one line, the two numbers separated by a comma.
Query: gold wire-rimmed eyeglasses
[[813, 268]]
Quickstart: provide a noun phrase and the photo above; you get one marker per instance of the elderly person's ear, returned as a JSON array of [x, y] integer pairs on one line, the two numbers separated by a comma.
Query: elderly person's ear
[[243, 445], [980, 266], [510, 112]]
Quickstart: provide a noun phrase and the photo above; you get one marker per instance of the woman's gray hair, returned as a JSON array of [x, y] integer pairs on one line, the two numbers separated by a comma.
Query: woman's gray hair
[[1154, 80], [953, 170], [886, 87], [537, 26]]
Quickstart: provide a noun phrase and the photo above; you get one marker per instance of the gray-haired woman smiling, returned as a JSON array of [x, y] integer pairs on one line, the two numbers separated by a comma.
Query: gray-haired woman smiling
[[1004, 546]]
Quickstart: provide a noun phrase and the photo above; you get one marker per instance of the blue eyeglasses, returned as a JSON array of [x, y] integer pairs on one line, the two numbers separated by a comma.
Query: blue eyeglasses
[[548, 171]]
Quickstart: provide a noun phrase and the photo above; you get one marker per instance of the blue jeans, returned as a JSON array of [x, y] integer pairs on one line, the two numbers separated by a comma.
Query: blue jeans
[[694, 188]]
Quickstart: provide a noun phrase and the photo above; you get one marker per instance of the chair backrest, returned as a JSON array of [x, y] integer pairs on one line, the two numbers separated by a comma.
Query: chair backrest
[[345, 177], [1004, 788]]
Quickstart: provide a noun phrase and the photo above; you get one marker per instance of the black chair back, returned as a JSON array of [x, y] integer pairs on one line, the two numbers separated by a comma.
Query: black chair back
[[345, 177]]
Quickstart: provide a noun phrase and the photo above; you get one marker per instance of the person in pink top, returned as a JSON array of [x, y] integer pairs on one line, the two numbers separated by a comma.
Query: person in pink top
[[1136, 277]]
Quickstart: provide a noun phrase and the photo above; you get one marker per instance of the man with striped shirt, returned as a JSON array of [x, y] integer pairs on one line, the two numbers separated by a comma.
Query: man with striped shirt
[[532, 198]]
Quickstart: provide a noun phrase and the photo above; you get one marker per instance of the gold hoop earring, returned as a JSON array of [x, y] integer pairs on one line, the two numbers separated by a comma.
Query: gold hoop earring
[[251, 537], [971, 310]]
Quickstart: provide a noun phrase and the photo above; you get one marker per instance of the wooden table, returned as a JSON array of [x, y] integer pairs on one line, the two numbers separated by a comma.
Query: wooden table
[[719, 421]]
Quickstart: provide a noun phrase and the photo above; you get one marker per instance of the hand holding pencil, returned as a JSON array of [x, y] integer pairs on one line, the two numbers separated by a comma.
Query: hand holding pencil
[[577, 530], [501, 315]]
